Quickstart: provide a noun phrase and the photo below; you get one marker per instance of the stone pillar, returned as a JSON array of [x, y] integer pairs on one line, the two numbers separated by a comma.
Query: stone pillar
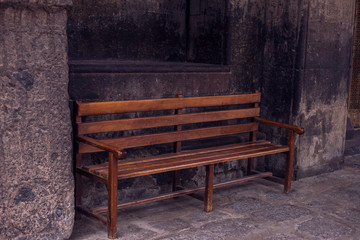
[[297, 52], [323, 74], [36, 181]]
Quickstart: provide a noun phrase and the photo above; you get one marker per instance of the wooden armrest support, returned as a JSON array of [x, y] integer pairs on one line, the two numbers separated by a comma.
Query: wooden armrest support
[[299, 130], [118, 153]]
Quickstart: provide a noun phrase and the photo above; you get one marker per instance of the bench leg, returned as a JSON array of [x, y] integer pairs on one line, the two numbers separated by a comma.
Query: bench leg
[[251, 161], [289, 162], [209, 187], [176, 180], [112, 197], [250, 166]]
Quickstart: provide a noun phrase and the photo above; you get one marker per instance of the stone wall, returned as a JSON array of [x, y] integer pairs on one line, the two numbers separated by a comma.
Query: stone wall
[[36, 181], [300, 61], [323, 73], [305, 78], [113, 81], [296, 52]]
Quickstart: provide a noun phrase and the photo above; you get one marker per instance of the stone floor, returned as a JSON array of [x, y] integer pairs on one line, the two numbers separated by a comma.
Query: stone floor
[[322, 207]]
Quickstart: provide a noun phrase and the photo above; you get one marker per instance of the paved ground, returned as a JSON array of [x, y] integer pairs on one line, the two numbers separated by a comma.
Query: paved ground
[[322, 207]]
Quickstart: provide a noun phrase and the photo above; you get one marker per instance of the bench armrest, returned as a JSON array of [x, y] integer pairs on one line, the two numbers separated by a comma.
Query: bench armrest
[[299, 130], [118, 153]]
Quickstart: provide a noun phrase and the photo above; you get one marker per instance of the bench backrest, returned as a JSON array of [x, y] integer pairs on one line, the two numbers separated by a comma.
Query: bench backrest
[[247, 107]]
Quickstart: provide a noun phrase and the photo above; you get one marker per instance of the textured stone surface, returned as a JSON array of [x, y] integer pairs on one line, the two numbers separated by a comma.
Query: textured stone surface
[[324, 102], [231, 227], [282, 213], [284, 237], [324, 228], [246, 204], [312, 215], [171, 225], [135, 232], [306, 66], [192, 235], [37, 3], [36, 197]]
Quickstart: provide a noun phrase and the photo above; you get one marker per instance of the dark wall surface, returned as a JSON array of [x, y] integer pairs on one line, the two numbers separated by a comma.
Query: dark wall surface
[[297, 53], [323, 73], [111, 81], [306, 76], [152, 30], [162, 30]]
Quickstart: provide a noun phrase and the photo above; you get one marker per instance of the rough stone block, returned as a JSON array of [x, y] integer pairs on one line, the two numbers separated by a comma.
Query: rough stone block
[[37, 197]]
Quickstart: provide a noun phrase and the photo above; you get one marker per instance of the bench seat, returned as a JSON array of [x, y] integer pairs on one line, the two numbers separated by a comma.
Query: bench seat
[[187, 159]]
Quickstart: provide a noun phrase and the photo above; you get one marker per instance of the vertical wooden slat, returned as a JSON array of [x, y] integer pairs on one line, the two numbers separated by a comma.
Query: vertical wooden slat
[[289, 162], [176, 176], [251, 161], [209, 185], [112, 196]]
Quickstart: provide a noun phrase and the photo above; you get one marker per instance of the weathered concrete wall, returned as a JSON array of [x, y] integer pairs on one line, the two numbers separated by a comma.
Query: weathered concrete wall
[[281, 43], [296, 52], [206, 31], [324, 71], [36, 181], [246, 43], [242, 76], [305, 78]]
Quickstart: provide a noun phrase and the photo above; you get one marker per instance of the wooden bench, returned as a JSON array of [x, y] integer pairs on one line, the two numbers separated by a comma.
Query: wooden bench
[[188, 120]]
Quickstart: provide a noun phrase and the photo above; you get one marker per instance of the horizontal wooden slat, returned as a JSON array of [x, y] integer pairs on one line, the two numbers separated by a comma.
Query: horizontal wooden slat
[[175, 158], [177, 155], [254, 153], [159, 138], [118, 153], [270, 178], [88, 213], [195, 152], [194, 158], [86, 173], [99, 108], [188, 159], [244, 179], [297, 129], [160, 121]]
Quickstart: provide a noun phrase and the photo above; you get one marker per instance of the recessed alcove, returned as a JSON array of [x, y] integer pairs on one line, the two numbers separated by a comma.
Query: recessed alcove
[[160, 31]]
